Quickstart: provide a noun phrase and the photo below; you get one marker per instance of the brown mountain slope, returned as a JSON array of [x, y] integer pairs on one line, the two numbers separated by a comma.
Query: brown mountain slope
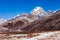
[[51, 23]]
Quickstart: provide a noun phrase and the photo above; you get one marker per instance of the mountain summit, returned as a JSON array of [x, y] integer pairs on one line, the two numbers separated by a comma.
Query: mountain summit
[[38, 11], [2, 21]]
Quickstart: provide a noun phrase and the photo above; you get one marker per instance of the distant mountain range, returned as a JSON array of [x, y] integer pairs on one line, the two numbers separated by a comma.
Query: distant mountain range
[[2, 21], [37, 21]]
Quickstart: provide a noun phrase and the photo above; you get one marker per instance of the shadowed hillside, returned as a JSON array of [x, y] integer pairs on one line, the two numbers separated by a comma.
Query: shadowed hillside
[[43, 24], [50, 23]]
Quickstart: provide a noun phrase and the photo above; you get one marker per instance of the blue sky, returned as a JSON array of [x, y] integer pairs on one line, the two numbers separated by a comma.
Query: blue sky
[[10, 8]]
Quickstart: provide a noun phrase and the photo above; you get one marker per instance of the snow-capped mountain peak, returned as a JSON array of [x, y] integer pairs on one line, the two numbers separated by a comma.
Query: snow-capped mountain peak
[[37, 8], [38, 11], [2, 21], [23, 14]]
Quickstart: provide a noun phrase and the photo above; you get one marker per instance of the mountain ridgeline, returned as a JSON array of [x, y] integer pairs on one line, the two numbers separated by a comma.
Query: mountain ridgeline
[[37, 21]]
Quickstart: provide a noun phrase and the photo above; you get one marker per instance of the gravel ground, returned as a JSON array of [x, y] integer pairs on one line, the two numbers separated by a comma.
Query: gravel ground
[[34, 36]]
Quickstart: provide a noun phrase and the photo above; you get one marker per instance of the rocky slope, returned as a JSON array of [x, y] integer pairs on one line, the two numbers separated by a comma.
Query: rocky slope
[[38, 25], [41, 36], [50, 23], [24, 19], [22, 23]]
